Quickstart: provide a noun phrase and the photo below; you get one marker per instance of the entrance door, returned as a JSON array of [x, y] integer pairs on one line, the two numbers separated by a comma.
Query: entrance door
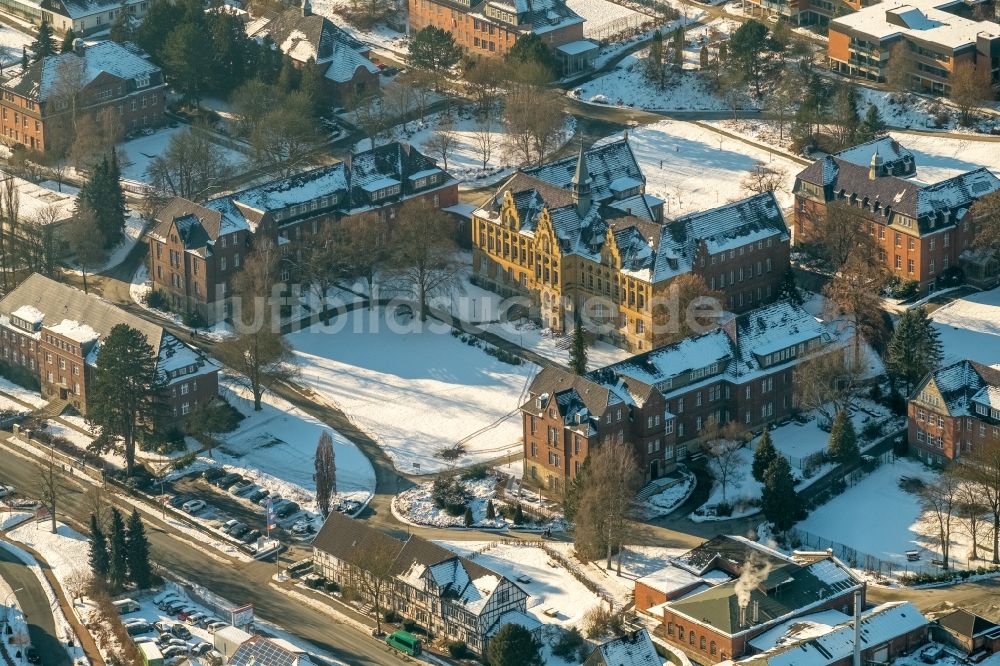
[[654, 470]]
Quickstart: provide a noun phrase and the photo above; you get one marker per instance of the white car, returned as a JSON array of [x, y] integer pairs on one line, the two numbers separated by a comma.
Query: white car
[[6, 490], [193, 506]]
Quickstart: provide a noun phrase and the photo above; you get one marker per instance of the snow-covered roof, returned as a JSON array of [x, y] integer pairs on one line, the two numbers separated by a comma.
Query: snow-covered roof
[[82, 8], [307, 36], [578, 47], [669, 580], [798, 629], [517, 617], [379, 184], [633, 649], [298, 189], [29, 313], [963, 384], [74, 330], [926, 20], [44, 77]]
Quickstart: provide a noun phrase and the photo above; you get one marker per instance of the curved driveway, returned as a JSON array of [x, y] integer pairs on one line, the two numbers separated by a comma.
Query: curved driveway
[[35, 605]]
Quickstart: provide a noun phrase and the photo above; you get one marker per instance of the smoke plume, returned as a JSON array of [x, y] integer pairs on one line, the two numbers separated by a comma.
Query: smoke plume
[[755, 571]]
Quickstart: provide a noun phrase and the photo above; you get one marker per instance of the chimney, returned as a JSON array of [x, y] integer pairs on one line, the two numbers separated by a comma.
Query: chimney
[[876, 169], [756, 609], [307, 8], [857, 628]]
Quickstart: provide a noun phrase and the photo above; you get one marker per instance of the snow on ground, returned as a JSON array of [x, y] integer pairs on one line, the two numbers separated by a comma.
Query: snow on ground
[[602, 15], [134, 226], [742, 492], [14, 618], [970, 328], [380, 36], [414, 387], [12, 43], [22, 394], [550, 584], [878, 517], [663, 503], [416, 505], [637, 561], [139, 289], [137, 154], [693, 168], [465, 159], [940, 157], [627, 86], [275, 448]]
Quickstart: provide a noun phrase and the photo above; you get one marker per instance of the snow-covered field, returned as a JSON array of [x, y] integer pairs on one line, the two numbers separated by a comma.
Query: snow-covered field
[[878, 517], [22, 394], [602, 14], [663, 503], [627, 86], [465, 158], [12, 43], [551, 585], [275, 447], [416, 505], [694, 168], [137, 154], [637, 561], [415, 388], [970, 328], [940, 157]]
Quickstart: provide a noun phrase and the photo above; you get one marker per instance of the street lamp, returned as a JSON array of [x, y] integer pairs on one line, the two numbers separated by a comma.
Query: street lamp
[[6, 606]]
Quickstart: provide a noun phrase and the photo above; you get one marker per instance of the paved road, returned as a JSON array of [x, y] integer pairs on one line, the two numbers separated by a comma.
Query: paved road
[[237, 581], [35, 605]]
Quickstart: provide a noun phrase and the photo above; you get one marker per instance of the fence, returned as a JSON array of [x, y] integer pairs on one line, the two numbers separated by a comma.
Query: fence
[[621, 29]]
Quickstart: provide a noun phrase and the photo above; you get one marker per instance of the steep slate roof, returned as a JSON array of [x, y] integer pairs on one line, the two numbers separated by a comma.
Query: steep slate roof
[[896, 159], [197, 226], [963, 383], [632, 649], [41, 78], [574, 395], [386, 165], [316, 37]]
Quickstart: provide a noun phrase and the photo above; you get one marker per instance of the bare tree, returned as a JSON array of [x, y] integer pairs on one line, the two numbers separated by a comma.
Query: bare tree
[[607, 494], [827, 383], [443, 141], [190, 167], [981, 468], [899, 70], [533, 118], [326, 473], [85, 240], [424, 259], [986, 216], [366, 13], [940, 499], [372, 560], [764, 179], [287, 137], [972, 511], [364, 248], [422, 84], [687, 307], [36, 245], [726, 459], [843, 232], [371, 117], [781, 104], [970, 87], [398, 98], [10, 205], [484, 79], [77, 584], [51, 486], [251, 103], [484, 139], [855, 292]]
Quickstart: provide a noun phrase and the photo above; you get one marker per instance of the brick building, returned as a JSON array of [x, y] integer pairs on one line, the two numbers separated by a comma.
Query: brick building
[[342, 59], [445, 594], [582, 234], [748, 589], [104, 75], [922, 230], [954, 410], [939, 36], [664, 401], [195, 250], [54, 331], [805, 12], [490, 27]]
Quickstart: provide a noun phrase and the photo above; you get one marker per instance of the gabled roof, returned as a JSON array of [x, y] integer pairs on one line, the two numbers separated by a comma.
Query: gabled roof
[[963, 383], [573, 395], [315, 37], [965, 623], [384, 166], [42, 78], [607, 164], [197, 225], [633, 649]]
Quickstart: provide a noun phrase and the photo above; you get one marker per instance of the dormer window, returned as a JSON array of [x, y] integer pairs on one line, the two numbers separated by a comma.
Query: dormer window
[[141, 81]]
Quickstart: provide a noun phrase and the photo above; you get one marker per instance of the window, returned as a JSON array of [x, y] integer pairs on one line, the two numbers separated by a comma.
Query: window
[[186, 408], [184, 388], [222, 263]]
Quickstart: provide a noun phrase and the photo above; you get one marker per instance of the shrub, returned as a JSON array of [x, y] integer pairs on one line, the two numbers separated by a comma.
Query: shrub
[[458, 649], [600, 621], [723, 509], [491, 513], [408, 624], [157, 300], [391, 616], [194, 319], [467, 518], [569, 644], [475, 473], [449, 494], [20, 376]]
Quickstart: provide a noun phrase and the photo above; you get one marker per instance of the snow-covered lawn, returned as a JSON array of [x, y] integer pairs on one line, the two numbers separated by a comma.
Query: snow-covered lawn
[[879, 518], [137, 154], [20, 393], [380, 36], [465, 158], [12, 43], [694, 168], [637, 561], [275, 447], [551, 585], [663, 503], [134, 225], [940, 157], [603, 16], [742, 492], [414, 387], [627, 86], [970, 328]]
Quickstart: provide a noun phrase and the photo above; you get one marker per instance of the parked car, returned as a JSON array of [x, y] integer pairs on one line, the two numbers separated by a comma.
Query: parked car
[[165, 638], [162, 596], [207, 620], [243, 485], [6, 490], [273, 498], [174, 651], [236, 481], [215, 626], [180, 631], [227, 480], [163, 626], [201, 648], [193, 506], [301, 527], [186, 612], [194, 618], [228, 525], [137, 627], [174, 607], [236, 528], [166, 601], [213, 473], [257, 495], [176, 642], [390, 71], [286, 510], [245, 492], [179, 500]]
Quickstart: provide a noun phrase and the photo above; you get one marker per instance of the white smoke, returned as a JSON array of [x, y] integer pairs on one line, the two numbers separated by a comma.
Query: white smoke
[[755, 571]]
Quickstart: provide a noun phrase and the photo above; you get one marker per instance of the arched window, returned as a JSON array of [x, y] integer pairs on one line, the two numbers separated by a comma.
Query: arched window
[[702, 645], [670, 628], [711, 649], [680, 632], [691, 637]]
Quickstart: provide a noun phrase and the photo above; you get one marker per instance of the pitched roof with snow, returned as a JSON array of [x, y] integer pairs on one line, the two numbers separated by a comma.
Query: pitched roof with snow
[[963, 385], [43, 78], [633, 649], [896, 159], [314, 37]]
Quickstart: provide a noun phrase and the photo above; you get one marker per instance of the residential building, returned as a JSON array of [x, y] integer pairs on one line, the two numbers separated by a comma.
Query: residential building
[[445, 594], [924, 232], [490, 27], [666, 401], [103, 75], [343, 60], [196, 250], [582, 235], [953, 411], [85, 17], [749, 589], [968, 632], [635, 648], [805, 12], [826, 638], [54, 331], [937, 37]]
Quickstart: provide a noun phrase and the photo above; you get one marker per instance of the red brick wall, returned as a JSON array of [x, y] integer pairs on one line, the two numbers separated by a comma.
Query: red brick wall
[[958, 435], [748, 276]]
